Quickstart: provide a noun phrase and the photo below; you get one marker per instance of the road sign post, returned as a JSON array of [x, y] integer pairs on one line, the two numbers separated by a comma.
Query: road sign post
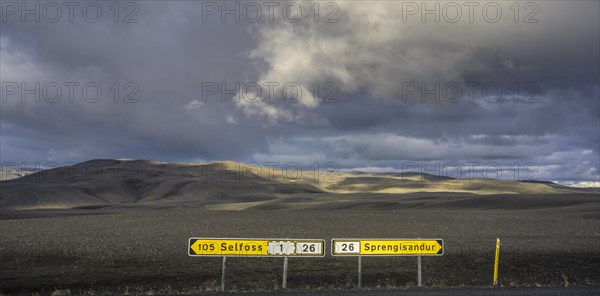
[[359, 272], [387, 247], [223, 274], [285, 269], [251, 247], [418, 271]]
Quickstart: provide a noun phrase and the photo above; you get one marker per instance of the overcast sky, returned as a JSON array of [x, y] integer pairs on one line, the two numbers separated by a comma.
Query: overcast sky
[[383, 86]]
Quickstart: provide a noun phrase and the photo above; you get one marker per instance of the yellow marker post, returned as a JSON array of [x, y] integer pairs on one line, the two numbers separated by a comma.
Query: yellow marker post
[[496, 262]]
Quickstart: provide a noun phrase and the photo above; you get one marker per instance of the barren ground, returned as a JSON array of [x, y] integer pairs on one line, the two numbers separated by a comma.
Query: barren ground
[[140, 251]]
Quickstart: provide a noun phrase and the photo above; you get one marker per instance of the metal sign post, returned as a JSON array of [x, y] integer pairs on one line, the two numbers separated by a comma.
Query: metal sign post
[[359, 272], [285, 269], [419, 271], [223, 274]]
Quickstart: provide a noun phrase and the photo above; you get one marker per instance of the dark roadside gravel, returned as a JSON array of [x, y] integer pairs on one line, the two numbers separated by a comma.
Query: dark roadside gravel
[[145, 252]]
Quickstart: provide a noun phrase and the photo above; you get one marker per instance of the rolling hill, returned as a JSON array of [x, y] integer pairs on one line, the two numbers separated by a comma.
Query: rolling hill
[[235, 186]]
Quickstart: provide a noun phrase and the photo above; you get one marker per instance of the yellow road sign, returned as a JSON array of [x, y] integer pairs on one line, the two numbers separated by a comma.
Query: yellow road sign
[[387, 247], [251, 247]]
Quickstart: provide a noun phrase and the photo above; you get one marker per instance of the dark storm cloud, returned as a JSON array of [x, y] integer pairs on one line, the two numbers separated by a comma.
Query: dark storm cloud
[[371, 54], [167, 54]]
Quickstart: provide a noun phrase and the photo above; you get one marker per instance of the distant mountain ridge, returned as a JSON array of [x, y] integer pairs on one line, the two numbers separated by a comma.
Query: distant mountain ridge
[[108, 181]]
